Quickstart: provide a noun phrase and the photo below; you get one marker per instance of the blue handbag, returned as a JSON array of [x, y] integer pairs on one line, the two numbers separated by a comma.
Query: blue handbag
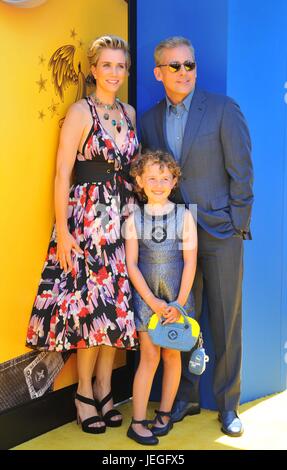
[[181, 335]]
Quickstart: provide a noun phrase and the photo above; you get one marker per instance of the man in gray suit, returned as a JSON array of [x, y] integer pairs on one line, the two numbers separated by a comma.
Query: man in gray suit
[[208, 135]]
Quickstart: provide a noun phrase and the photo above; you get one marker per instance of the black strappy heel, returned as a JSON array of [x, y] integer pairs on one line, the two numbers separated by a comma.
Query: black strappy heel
[[144, 440], [86, 424], [107, 417], [162, 431]]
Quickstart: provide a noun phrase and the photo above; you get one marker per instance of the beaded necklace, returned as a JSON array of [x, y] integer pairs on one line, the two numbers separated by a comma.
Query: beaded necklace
[[110, 107]]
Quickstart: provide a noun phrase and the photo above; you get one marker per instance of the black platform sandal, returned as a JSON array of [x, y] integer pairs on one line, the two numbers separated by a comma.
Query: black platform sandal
[[144, 440], [107, 417], [164, 430], [86, 424]]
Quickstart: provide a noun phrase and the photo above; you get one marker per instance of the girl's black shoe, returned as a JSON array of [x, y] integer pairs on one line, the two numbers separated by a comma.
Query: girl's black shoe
[[144, 440], [163, 430]]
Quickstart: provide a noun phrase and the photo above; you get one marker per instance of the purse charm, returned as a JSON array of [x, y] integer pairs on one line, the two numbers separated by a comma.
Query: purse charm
[[198, 359]]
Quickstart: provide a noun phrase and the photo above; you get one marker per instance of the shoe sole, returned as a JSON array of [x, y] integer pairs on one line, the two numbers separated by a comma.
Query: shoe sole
[[191, 413], [140, 442], [98, 430]]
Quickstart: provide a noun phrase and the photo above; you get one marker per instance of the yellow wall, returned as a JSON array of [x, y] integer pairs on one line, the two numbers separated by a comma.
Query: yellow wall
[[28, 38]]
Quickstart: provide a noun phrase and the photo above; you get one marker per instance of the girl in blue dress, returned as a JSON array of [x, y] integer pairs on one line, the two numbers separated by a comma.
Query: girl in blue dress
[[161, 250]]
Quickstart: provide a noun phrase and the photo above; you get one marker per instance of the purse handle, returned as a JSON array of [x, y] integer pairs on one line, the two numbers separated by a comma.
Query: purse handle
[[181, 309], [178, 307]]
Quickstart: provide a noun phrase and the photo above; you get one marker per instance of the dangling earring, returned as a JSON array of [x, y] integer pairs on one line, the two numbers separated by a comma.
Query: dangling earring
[[90, 80]]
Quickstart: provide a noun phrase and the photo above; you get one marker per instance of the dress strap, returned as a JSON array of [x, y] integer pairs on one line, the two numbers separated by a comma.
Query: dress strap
[[92, 106], [142, 221]]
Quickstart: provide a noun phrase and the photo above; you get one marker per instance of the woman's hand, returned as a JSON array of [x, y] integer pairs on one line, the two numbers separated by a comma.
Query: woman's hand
[[171, 315], [65, 244]]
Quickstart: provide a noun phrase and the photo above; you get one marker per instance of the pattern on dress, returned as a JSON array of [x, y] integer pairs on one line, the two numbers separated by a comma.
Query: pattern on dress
[[91, 305]]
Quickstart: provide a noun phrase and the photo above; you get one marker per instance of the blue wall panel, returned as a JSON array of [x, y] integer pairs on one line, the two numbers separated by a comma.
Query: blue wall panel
[[193, 19], [241, 51], [257, 59]]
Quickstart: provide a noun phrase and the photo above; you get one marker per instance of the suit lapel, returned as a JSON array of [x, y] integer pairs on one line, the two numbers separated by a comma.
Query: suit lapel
[[195, 115], [161, 125], [159, 121]]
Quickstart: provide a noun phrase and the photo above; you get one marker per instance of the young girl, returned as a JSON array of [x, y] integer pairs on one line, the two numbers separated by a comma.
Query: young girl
[[161, 250]]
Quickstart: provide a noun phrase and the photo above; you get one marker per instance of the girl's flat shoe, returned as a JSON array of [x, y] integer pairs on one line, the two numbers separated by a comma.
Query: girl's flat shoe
[[144, 440], [163, 430]]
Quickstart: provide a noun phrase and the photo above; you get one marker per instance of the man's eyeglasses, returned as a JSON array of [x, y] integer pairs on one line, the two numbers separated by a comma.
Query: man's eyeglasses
[[176, 66]]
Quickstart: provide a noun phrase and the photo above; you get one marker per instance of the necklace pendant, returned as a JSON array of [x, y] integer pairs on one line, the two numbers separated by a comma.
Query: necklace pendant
[[118, 127], [106, 116]]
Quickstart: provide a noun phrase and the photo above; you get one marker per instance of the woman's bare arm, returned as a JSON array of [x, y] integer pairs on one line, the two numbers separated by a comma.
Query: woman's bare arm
[[70, 137]]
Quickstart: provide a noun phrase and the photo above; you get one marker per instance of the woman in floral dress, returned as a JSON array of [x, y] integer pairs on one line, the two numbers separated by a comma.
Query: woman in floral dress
[[84, 297]]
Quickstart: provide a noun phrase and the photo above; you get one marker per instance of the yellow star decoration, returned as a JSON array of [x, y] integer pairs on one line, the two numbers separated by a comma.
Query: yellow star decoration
[[41, 115], [53, 108], [41, 59], [41, 83], [73, 33]]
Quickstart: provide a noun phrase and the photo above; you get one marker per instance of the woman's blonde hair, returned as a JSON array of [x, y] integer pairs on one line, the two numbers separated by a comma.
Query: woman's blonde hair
[[157, 157], [107, 42]]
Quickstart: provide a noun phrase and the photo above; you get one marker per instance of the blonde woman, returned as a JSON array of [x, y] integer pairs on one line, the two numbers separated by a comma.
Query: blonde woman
[[84, 299]]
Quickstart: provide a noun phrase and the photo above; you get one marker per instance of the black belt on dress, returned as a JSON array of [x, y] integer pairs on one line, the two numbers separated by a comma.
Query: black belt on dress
[[92, 171]]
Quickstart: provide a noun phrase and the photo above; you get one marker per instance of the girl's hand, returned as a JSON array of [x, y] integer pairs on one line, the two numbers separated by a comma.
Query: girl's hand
[[65, 244], [171, 315], [158, 306]]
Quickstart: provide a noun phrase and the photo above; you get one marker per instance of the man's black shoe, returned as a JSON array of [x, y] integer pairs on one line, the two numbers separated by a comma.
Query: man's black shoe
[[231, 424], [181, 409]]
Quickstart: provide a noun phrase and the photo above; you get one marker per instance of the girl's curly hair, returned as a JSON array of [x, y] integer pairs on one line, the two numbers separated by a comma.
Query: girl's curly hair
[[158, 157]]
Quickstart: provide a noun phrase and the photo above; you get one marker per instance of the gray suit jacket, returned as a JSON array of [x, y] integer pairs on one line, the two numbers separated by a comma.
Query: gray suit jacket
[[216, 165]]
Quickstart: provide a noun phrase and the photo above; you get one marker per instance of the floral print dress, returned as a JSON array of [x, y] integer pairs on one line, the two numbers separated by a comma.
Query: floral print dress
[[91, 305]]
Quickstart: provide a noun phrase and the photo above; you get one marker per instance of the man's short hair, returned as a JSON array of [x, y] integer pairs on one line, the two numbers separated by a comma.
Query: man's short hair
[[171, 43]]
